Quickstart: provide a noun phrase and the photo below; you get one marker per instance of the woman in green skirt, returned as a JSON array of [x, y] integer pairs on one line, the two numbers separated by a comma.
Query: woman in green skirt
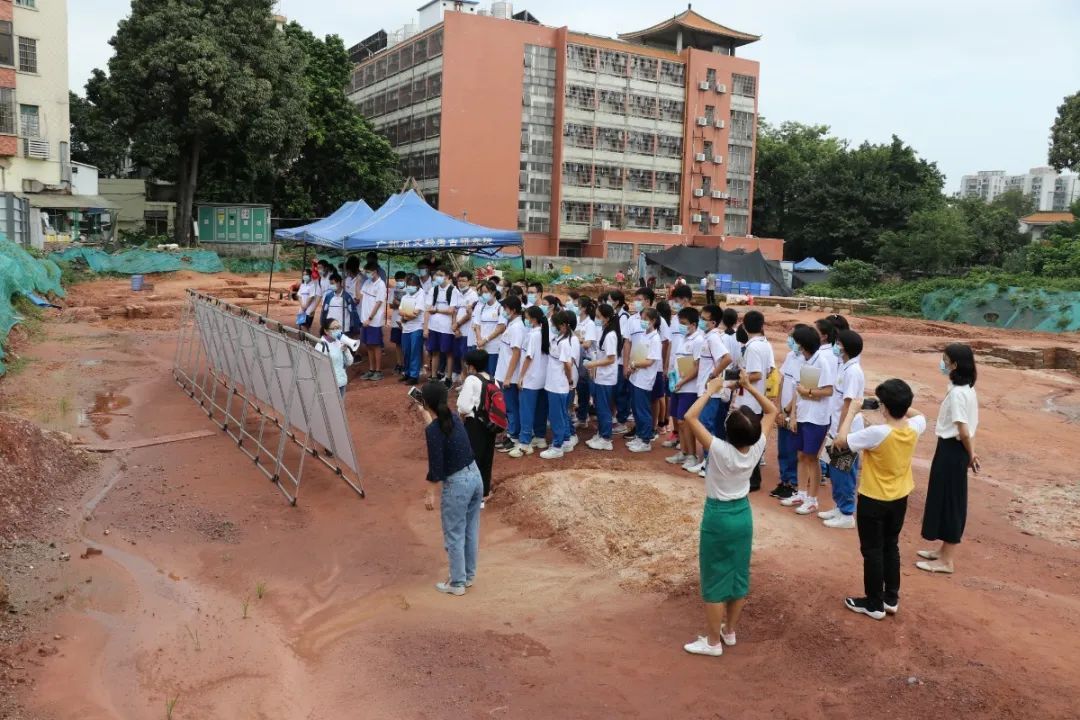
[[727, 526]]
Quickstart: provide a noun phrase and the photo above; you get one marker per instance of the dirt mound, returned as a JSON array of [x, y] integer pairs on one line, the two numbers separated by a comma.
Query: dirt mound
[[644, 528], [35, 465]]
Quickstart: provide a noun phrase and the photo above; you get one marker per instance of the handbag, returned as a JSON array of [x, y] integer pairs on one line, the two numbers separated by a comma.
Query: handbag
[[842, 460]]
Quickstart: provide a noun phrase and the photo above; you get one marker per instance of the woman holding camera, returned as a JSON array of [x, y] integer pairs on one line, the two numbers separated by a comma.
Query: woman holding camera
[[727, 525], [451, 463]]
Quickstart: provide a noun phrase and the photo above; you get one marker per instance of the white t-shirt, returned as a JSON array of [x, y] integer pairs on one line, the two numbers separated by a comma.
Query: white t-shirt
[[634, 333], [352, 283], [464, 302], [536, 377], [588, 332], [961, 404], [514, 337], [440, 322], [373, 293], [608, 375], [666, 336], [307, 291], [727, 474], [645, 378], [418, 302], [816, 412], [790, 371], [624, 330], [757, 358], [575, 356], [562, 353], [850, 385], [394, 295], [713, 351], [426, 283], [490, 318], [336, 311], [870, 437], [731, 342], [690, 346], [324, 285]]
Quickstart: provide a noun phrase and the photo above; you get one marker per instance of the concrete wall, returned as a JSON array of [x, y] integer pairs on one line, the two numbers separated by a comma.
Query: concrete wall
[[130, 195], [241, 249]]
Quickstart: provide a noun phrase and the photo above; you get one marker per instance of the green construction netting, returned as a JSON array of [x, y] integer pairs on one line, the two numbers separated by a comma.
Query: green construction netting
[[140, 261], [1006, 307], [22, 274]]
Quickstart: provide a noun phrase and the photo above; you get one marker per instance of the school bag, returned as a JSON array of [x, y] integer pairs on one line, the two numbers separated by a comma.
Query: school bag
[[491, 412]]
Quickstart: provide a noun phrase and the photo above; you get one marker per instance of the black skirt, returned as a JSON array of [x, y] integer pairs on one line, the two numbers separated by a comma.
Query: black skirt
[[946, 495]]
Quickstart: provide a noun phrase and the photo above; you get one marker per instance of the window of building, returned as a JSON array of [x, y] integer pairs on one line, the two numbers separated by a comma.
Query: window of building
[[607, 213], [156, 222], [540, 186], [706, 183], [671, 110], [577, 174], [710, 113], [736, 224], [26, 3], [707, 148], [620, 252], [710, 75], [742, 126], [739, 190], [539, 224], [29, 121], [643, 68], [27, 55], [613, 63], [576, 213], [643, 106], [605, 176], [672, 73], [643, 143], [7, 111], [640, 180], [663, 221], [649, 248], [745, 85], [581, 58], [739, 159], [613, 101], [667, 182], [638, 217], [7, 44], [581, 97], [610, 139], [669, 146]]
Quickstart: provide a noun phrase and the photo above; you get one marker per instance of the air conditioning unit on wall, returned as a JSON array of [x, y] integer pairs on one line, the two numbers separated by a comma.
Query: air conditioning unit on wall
[[715, 220], [36, 149], [703, 121], [676, 229], [700, 157], [719, 124], [698, 192], [605, 225], [721, 88], [703, 85], [696, 218]]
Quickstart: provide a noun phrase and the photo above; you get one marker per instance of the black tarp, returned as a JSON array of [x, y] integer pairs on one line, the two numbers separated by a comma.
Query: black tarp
[[802, 279], [693, 263]]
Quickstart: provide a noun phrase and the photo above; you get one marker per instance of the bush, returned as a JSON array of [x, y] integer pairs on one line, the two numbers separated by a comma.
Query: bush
[[853, 274]]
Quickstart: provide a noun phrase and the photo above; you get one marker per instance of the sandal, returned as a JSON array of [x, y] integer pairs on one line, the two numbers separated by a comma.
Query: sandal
[[932, 568], [929, 554]]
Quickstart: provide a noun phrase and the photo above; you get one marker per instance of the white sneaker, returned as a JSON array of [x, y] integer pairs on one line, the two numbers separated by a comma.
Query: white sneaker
[[697, 466], [520, 450], [539, 443], [797, 499], [728, 639], [552, 453], [639, 447], [701, 646], [841, 521], [809, 506], [619, 429], [600, 444], [572, 443], [677, 459], [670, 443], [701, 472], [829, 514]]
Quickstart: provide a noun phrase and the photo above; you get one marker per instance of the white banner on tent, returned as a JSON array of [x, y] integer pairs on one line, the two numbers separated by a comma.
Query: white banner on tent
[[268, 387]]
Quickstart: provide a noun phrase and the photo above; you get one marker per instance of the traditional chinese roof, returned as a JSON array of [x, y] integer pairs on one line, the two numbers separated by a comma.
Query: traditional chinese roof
[[696, 31], [1048, 218]]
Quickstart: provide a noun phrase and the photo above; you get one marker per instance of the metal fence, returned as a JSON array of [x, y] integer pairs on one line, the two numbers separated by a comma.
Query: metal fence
[[269, 387]]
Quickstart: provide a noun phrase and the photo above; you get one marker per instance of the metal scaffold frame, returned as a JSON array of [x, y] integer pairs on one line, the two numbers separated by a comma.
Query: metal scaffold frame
[[268, 387]]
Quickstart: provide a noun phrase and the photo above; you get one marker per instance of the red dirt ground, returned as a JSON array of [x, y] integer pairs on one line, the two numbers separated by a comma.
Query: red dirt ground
[[348, 624]]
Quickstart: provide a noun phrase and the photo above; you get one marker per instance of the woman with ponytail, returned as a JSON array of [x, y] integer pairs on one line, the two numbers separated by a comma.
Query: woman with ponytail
[[451, 462], [531, 405]]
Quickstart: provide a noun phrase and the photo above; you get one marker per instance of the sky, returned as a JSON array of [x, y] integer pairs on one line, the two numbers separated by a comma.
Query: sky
[[970, 84]]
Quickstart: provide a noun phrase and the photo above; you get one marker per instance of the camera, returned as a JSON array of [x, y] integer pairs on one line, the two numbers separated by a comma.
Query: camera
[[732, 374], [871, 404], [415, 394]]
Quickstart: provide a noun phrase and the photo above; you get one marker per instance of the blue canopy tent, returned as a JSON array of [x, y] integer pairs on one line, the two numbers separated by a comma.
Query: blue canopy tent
[[352, 210], [810, 265]]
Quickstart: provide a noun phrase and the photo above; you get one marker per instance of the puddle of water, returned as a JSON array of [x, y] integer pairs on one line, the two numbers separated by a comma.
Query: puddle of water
[[106, 406]]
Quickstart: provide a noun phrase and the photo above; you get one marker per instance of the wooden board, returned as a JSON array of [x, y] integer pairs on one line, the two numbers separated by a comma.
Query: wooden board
[[147, 442]]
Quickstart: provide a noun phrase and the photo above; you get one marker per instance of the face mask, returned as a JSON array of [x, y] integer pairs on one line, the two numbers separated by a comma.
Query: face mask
[[337, 288], [792, 345], [486, 297], [336, 334], [544, 309], [307, 278], [676, 306], [836, 350], [682, 329], [599, 323], [638, 305], [440, 279], [504, 315], [943, 367], [412, 289], [702, 326], [572, 307], [645, 325], [531, 297], [423, 272]]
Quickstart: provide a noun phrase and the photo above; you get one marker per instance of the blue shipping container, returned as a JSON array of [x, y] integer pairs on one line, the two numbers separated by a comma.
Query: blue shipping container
[[766, 289]]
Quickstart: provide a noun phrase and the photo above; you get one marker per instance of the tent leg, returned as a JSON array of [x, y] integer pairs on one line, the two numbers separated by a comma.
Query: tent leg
[[524, 275], [270, 285]]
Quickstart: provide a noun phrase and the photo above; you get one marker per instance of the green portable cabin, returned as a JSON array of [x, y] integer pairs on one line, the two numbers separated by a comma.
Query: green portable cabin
[[247, 224]]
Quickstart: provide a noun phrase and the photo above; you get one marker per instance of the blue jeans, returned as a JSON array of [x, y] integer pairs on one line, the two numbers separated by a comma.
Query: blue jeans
[[412, 346], [559, 417], [602, 394], [527, 406], [787, 457], [512, 395], [714, 418], [843, 487], [460, 509], [584, 394], [622, 397], [461, 346], [493, 362], [642, 402]]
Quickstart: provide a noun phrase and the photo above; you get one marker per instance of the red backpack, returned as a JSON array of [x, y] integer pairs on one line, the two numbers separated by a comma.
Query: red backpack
[[491, 412]]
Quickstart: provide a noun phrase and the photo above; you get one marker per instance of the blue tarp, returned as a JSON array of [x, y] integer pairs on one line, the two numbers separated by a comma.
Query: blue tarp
[[810, 265], [407, 223], [331, 230]]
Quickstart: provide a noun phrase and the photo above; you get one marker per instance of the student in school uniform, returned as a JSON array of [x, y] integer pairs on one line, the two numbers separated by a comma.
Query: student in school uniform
[[338, 305], [662, 390], [394, 295], [812, 418], [489, 325], [461, 326], [412, 309], [846, 418], [622, 387], [307, 296], [649, 360], [715, 359], [537, 349], [438, 324], [786, 442], [557, 385], [534, 292], [687, 362], [757, 361], [605, 369], [353, 281], [333, 343], [508, 368], [645, 298], [481, 438], [423, 271], [325, 271], [588, 334], [730, 321], [885, 483], [373, 315], [575, 352]]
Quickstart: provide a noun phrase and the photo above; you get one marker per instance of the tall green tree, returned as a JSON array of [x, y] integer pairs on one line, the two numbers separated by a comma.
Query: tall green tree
[[934, 241], [1016, 202], [995, 229], [95, 138], [1065, 135], [202, 78]]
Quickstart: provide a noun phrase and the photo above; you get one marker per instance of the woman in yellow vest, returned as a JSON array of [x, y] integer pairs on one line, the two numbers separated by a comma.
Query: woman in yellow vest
[[884, 485]]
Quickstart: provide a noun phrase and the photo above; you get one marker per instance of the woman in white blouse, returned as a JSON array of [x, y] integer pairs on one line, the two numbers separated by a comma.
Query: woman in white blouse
[[946, 495], [481, 438]]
